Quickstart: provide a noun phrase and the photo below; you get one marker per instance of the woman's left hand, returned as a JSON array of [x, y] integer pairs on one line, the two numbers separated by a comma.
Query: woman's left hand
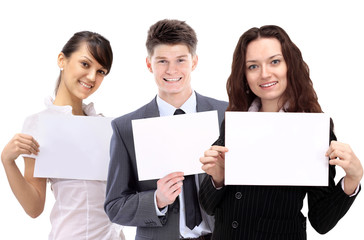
[[342, 155]]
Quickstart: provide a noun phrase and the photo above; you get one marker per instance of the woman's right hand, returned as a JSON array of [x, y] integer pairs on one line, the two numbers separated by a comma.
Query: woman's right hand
[[19, 144], [214, 164]]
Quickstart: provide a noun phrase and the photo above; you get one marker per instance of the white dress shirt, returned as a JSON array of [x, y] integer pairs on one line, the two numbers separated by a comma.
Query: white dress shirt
[[166, 109]]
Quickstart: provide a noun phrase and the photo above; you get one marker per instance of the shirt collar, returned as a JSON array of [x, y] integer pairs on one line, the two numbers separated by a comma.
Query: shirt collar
[[87, 108], [166, 109], [257, 104]]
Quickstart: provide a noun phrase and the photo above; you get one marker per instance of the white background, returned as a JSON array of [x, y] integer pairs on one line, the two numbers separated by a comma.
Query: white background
[[329, 34]]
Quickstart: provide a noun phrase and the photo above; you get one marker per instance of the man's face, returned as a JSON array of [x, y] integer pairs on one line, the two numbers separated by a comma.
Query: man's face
[[172, 66]]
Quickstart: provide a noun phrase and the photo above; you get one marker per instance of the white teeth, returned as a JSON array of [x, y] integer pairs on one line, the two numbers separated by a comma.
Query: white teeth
[[85, 85], [268, 84], [172, 79]]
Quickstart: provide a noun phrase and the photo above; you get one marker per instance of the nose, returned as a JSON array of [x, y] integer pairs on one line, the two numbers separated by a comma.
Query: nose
[[265, 71], [172, 68], [91, 76]]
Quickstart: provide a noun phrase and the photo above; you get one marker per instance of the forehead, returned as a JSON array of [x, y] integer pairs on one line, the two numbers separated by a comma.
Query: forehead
[[263, 48], [169, 50], [82, 50]]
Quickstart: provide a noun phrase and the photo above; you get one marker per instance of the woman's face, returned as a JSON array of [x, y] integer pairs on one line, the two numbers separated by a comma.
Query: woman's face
[[266, 72], [82, 74]]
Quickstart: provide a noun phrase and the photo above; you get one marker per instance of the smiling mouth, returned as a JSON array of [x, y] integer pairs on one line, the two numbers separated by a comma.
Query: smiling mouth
[[268, 84], [86, 85], [172, 79]]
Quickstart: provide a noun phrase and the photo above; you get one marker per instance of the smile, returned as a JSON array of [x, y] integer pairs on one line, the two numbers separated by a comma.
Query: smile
[[268, 84], [172, 79], [85, 85]]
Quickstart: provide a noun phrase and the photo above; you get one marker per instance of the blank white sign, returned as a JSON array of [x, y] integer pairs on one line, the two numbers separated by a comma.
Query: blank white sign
[[173, 143], [73, 147], [276, 148]]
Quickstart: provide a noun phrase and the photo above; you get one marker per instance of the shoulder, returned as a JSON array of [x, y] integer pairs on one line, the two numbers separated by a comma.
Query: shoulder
[[210, 99], [30, 125], [125, 120], [211, 102]]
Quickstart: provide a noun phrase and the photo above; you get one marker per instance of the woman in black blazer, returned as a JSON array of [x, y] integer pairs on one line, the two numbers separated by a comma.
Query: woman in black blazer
[[269, 75]]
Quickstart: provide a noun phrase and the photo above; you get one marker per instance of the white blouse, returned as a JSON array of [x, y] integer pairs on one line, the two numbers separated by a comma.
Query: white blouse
[[78, 212]]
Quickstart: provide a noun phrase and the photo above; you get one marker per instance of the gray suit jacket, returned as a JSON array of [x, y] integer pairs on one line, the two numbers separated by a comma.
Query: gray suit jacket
[[130, 202]]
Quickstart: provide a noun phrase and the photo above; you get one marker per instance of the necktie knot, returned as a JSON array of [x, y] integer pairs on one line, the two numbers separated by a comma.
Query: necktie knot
[[178, 111]]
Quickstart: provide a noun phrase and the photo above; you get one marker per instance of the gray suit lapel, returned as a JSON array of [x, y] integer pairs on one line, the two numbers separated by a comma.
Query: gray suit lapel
[[202, 104], [151, 109]]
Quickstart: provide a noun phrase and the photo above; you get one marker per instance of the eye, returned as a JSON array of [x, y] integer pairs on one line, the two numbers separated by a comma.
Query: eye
[[252, 67], [162, 61], [276, 61], [102, 72], [85, 64], [181, 60]]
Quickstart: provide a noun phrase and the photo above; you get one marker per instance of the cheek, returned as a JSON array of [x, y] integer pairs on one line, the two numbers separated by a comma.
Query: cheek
[[284, 80], [251, 79], [157, 70], [98, 83]]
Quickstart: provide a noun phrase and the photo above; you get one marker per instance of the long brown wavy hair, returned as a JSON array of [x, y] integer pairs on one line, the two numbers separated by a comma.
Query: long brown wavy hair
[[299, 94]]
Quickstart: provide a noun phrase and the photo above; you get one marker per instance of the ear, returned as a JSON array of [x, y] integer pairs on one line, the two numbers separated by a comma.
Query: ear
[[61, 60], [149, 64], [194, 61]]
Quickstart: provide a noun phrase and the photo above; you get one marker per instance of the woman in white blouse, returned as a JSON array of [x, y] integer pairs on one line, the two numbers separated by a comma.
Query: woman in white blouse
[[78, 211]]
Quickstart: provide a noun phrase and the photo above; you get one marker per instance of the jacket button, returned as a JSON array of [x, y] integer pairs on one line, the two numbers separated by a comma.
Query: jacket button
[[235, 224], [238, 195]]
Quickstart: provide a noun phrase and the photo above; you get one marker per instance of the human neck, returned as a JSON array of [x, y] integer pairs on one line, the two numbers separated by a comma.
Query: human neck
[[176, 99], [74, 102], [270, 106]]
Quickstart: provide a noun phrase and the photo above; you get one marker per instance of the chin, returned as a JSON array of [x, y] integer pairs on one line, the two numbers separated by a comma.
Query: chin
[[83, 96]]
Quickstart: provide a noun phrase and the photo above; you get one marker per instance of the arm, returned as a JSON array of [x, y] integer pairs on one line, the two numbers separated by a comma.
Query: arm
[[342, 155], [212, 189], [327, 205], [29, 191], [209, 196], [125, 204]]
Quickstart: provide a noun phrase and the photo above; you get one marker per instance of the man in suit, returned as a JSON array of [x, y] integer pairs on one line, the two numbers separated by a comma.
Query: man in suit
[[158, 208]]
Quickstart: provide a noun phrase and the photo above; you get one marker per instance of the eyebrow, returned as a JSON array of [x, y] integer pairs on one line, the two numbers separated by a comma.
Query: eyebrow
[[276, 55], [87, 58], [102, 67], [181, 56]]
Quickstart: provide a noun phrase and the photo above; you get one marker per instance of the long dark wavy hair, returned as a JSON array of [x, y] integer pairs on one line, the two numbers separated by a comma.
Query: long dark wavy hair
[[299, 94]]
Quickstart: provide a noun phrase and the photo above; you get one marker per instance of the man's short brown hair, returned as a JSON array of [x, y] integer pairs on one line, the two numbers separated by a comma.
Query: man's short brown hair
[[171, 32]]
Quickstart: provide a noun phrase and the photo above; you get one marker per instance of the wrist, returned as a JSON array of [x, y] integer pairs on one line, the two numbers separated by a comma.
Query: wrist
[[218, 183], [355, 180], [160, 205], [350, 185], [6, 161]]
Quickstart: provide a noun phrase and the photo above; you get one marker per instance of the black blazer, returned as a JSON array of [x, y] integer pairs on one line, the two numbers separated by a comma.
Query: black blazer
[[272, 212]]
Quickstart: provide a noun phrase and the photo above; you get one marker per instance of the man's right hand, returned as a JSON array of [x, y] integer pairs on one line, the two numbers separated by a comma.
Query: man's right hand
[[168, 188]]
